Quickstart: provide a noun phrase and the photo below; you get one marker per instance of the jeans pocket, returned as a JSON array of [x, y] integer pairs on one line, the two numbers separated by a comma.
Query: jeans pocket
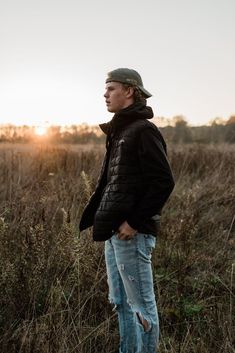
[[150, 242]]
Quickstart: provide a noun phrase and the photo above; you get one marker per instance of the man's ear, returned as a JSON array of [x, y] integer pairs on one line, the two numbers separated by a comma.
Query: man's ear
[[130, 92]]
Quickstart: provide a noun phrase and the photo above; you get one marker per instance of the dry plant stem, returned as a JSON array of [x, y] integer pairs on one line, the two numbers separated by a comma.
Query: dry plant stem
[[231, 307]]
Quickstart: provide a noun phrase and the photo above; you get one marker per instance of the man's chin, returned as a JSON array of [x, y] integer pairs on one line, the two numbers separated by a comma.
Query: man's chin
[[110, 109]]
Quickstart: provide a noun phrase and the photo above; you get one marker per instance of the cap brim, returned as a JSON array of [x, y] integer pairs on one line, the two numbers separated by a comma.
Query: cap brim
[[146, 93]]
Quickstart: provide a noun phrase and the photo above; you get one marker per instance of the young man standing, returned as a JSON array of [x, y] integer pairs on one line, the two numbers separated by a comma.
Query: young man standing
[[134, 184]]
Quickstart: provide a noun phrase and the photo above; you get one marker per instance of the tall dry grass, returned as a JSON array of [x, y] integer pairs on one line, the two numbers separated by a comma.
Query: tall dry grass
[[53, 290]]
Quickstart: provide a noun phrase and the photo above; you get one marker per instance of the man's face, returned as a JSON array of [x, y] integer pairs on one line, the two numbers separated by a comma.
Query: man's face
[[117, 96]]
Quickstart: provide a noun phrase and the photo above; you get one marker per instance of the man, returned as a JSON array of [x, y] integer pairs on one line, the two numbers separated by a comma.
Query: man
[[134, 184]]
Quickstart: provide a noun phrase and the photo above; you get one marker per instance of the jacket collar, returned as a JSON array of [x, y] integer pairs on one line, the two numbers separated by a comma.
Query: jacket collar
[[126, 116]]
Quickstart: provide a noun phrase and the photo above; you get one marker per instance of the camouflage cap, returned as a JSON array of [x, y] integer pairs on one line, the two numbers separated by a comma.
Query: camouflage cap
[[128, 76]]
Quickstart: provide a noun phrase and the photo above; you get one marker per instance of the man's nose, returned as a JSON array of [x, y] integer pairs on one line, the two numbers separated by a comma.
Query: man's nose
[[105, 94]]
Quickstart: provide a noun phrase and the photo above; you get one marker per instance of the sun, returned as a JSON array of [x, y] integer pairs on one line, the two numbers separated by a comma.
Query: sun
[[40, 130]]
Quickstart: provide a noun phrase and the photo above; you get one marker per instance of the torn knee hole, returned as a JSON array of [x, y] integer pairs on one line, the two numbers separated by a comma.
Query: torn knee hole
[[115, 304], [143, 322]]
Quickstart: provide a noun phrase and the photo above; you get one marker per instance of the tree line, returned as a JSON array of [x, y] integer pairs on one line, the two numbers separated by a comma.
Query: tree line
[[177, 131]]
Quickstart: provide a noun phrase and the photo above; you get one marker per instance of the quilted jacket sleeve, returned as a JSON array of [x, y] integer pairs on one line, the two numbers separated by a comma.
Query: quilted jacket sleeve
[[158, 181]]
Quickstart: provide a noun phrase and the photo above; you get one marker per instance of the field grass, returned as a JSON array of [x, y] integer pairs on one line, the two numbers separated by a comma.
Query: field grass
[[53, 290]]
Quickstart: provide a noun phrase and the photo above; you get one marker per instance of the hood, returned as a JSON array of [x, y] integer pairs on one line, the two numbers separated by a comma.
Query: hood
[[126, 116]]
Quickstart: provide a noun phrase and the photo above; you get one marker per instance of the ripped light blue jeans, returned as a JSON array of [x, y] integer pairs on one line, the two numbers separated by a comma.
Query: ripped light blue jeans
[[130, 281]]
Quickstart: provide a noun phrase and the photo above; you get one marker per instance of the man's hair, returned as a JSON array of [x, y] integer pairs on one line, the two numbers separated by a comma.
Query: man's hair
[[138, 94]]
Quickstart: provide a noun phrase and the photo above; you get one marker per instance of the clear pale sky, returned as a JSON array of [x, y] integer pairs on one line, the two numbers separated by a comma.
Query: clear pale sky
[[54, 56]]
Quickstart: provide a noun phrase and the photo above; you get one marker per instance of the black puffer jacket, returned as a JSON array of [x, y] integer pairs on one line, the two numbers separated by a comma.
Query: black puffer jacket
[[135, 179]]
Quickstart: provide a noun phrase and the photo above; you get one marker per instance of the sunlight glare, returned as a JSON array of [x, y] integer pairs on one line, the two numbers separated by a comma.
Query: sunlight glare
[[40, 130]]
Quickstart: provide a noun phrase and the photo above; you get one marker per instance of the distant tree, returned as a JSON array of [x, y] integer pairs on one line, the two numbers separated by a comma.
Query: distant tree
[[182, 133], [217, 130], [54, 133], [230, 129], [217, 121], [231, 120]]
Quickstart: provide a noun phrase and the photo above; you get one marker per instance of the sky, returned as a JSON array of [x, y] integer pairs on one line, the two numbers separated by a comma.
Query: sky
[[55, 55]]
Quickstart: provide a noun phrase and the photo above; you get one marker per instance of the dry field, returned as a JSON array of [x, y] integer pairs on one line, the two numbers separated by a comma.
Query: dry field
[[53, 290]]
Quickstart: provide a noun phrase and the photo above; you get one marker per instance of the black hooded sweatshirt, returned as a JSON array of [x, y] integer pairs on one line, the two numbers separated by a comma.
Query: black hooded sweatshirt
[[135, 179]]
